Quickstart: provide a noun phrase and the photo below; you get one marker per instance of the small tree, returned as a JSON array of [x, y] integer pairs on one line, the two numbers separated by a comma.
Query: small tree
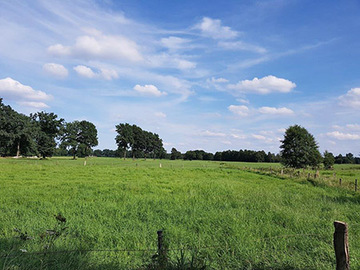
[[299, 148], [328, 160]]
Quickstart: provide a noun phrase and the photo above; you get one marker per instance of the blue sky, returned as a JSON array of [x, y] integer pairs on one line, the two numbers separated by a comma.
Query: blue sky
[[211, 75]]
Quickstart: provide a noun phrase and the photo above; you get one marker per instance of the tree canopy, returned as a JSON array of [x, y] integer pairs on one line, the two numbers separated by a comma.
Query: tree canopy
[[79, 137], [141, 142], [299, 148]]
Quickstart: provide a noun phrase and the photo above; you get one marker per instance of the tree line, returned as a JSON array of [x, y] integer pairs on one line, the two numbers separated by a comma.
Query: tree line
[[44, 134], [40, 133]]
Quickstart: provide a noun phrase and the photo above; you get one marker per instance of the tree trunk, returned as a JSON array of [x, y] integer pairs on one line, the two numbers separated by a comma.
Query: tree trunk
[[124, 153], [18, 149]]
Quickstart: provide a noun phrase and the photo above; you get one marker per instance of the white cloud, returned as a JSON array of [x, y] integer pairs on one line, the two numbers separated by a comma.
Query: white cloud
[[99, 46], [174, 43], [208, 133], [351, 98], [107, 74], [160, 114], [276, 111], [85, 71], [241, 110], [353, 126], [343, 136], [59, 50], [33, 104], [149, 89], [242, 100], [265, 85], [237, 136], [259, 137], [14, 90], [213, 28], [172, 61], [217, 80], [56, 70], [241, 46]]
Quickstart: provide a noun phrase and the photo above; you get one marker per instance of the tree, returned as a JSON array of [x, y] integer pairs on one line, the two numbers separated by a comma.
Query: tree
[[125, 137], [79, 136], [48, 127], [16, 132], [328, 160], [299, 148], [175, 154]]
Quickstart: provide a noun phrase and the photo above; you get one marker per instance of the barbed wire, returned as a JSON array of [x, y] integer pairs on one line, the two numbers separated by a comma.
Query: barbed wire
[[146, 250]]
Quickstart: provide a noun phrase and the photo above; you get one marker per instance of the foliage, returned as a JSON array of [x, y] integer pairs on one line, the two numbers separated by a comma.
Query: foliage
[[328, 160], [141, 142], [175, 154], [48, 127], [16, 131], [79, 137], [299, 148]]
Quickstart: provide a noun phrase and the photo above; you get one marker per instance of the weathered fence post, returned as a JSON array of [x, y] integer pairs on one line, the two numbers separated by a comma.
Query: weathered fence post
[[355, 185], [341, 245], [340, 181], [162, 249]]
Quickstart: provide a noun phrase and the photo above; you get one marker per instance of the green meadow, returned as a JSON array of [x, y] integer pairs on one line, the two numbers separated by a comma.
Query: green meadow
[[215, 215]]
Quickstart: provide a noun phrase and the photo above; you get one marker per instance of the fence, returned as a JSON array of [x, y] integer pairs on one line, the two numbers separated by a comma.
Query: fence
[[305, 174], [340, 242]]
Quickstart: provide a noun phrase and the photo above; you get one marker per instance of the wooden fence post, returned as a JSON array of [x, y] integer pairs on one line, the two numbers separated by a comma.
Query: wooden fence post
[[162, 250], [341, 245], [340, 181], [355, 185]]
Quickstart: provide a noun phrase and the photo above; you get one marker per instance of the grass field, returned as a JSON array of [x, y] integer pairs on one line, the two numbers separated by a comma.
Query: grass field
[[214, 213]]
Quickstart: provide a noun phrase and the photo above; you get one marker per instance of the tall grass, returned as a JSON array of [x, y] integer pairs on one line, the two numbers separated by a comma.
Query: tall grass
[[225, 217]]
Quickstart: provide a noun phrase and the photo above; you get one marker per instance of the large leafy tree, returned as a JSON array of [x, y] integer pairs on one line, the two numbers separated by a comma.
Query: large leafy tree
[[141, 142], [299, 148], [48, 128], [16, 131], [79, 137], [125, 137]]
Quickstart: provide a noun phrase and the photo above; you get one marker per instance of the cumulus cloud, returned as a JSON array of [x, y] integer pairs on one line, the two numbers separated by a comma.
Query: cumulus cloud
[[85, 71], [103, 73], [12, 89], [240, 110], [265, 85], [149, 90], [276, 111], [241, 46], [351, 98], [100, 46], [343, 136], [213, 28], [56, 70]]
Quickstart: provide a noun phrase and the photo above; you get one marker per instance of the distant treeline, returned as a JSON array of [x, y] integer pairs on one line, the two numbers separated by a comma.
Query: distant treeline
[[229, 155]]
